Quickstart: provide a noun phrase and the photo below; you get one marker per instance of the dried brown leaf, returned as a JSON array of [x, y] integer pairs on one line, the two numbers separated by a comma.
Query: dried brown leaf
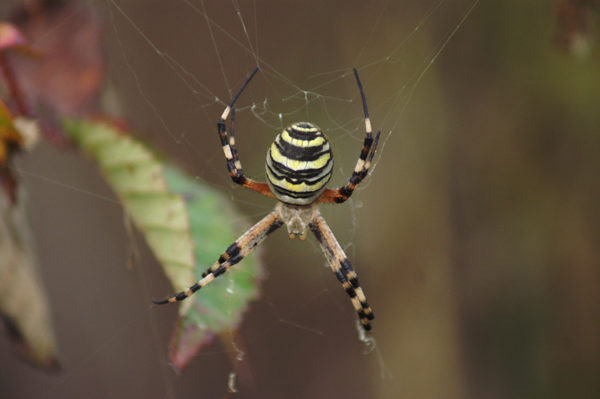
[[69, 36]]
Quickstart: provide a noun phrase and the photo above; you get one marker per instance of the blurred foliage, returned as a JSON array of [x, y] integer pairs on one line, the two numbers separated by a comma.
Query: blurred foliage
[[24, 304], [181, 221], [186, 225]]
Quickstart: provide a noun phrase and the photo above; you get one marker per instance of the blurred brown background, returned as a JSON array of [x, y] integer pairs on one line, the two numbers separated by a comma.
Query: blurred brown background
[[476, 238]]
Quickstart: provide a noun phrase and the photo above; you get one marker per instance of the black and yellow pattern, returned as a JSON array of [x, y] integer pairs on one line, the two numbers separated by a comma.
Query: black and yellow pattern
[[299, 164]]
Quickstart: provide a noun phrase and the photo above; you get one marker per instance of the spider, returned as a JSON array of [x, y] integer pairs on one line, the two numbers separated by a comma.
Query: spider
[[299, 165]]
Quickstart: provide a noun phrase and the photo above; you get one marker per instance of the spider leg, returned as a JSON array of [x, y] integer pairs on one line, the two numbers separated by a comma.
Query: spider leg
[[339, 195], [236, 159], [234, 165], [343, 270], [232, 256]]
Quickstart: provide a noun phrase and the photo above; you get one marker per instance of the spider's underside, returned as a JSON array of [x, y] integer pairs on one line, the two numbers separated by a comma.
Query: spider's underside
[[299, 165]]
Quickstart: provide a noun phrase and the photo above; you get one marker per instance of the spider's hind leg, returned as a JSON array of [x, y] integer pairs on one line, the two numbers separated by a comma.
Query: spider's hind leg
[[234, 254], [343, 270]]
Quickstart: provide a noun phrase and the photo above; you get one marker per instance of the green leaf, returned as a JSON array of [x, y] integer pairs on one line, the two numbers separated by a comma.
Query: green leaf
[[136, 176], [23, 302], [187, 225], [219, 306]]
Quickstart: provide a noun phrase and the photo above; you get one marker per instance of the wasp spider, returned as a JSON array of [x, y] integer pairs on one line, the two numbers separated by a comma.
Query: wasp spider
[[299, 165]]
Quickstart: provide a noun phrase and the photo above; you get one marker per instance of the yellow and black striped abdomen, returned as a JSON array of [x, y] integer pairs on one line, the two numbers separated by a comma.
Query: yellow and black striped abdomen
[[299, 164]]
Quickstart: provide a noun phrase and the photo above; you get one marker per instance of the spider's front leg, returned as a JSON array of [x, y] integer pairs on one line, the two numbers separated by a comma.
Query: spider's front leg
[[343, 270], [234, 166], [339, 195], [234, 254]]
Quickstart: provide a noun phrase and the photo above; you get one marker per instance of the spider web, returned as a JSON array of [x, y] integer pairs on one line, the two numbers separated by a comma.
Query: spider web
[[175, 65]]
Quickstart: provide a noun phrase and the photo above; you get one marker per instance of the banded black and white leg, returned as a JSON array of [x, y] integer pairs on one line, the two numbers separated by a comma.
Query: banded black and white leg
[[233, 255], [342, 269], [365, 159], [234, 166]]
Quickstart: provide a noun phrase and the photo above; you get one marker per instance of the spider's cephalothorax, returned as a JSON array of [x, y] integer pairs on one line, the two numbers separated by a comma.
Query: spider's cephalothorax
[[299, 165]]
